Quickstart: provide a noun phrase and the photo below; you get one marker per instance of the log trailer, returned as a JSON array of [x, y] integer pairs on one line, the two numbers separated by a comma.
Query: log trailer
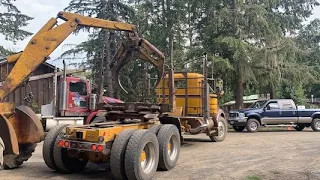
[[133, 138]]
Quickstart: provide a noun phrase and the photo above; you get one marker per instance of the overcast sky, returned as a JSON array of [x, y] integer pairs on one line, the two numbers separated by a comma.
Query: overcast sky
[[41, 11]]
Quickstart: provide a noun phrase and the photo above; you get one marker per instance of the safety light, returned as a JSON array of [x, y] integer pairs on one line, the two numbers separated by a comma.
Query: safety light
[[94, 147], [66, 144], [100, 148], [60, 143]]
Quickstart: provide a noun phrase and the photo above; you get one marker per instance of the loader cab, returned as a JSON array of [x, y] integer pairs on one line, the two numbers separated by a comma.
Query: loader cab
[[74, 97]]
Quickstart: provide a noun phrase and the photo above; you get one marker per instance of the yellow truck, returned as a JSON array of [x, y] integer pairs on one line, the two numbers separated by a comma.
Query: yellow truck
[[194, 101]]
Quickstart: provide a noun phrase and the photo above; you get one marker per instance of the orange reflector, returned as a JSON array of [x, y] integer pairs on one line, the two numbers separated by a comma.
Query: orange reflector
[[100, 148], [94, 147], [60, 143], [66, 144]]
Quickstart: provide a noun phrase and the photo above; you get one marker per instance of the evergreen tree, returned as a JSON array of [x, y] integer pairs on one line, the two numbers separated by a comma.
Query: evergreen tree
[[12, 20]]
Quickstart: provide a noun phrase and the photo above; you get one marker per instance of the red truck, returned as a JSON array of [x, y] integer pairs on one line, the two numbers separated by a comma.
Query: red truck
[[73, 103]]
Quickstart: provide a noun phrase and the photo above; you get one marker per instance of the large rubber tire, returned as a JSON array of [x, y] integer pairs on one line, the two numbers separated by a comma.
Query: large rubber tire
[[299, 127], [223, 128], [25, 152], [168, 156], [238, 128], [64, 163], [155, 128], [118, 151], [140, 140], [315, 124], [252, 125], [48, 144]]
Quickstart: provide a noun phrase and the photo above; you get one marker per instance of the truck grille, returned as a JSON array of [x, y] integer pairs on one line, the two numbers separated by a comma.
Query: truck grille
[[233, 114]]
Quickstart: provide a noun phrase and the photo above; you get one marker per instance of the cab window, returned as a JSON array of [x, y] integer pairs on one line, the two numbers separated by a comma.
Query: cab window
[[79, 87], [287, 106], [180, 84], [273, 105]]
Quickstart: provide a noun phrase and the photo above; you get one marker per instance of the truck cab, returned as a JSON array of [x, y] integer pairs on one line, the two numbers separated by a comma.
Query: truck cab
[[73, 103]]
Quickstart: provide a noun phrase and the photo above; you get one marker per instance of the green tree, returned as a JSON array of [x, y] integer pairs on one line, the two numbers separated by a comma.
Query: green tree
[[12, 20], [102, 43]]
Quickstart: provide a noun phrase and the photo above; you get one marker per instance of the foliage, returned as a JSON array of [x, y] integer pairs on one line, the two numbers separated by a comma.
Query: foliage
[[12, 20], [256, 47]]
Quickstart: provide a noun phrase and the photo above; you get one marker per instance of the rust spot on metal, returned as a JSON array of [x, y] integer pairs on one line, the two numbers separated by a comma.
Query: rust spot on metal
[[27, 125], [8, 135]]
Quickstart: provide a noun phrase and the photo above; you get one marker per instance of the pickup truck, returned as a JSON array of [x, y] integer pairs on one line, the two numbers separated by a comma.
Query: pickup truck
[[274, 112]]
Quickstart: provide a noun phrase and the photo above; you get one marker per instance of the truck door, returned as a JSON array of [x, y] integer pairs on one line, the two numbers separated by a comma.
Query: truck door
[[289, 112], [271, 113], [77, 96]]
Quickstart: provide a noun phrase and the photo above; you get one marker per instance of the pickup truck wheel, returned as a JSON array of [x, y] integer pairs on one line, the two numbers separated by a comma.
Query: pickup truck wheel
[[299, 127], [252, 125], [315, 124], [238, 128]]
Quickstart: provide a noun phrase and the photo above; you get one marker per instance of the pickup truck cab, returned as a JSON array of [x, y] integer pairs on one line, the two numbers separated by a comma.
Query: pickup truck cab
[[274, 112]]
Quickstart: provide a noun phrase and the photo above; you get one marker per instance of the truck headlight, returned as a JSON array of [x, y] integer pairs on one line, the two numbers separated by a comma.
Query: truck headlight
[[242, 115]]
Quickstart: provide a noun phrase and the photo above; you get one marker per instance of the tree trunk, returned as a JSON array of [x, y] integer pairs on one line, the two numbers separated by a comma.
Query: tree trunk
[[108, 73], [239, 88], [272, 91]]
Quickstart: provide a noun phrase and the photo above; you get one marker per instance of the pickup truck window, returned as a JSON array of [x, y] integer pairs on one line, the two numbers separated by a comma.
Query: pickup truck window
[[273, 105], [287, 106], [258, 104]]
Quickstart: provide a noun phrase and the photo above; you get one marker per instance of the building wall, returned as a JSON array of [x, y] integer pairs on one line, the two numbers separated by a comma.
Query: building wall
[[41, 89]]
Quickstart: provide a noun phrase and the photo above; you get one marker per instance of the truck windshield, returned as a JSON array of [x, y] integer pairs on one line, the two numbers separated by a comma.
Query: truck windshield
[[79, 87], [258, 104]]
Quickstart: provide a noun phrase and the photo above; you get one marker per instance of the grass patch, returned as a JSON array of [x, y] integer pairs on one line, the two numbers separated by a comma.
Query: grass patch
[[253, 177]]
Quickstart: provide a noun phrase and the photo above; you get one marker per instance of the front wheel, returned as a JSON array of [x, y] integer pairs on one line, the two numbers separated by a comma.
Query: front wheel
[[315, 124], [252, 125], [222, 128]]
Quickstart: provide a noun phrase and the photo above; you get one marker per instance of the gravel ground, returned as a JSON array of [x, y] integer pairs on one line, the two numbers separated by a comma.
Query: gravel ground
[[269, 154]]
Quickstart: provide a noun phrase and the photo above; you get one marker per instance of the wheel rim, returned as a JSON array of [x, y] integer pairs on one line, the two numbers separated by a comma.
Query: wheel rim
[[173, 148], [148, 158], [221, 129], [318, 124], [253, 126]]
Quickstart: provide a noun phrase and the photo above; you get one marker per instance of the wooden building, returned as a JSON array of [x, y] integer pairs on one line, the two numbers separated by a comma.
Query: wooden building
[[42, 89]]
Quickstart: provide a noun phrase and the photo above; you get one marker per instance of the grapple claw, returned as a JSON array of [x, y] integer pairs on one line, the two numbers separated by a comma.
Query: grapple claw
[[141, 49]]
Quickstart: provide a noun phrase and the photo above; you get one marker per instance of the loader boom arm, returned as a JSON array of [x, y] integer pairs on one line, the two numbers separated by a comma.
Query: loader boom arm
[[51, 35]]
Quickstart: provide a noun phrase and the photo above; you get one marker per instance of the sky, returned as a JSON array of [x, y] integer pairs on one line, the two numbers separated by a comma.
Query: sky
[[42, 11]]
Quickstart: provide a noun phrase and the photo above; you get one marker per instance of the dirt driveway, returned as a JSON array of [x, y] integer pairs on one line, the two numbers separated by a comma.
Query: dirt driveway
[[280, 154]]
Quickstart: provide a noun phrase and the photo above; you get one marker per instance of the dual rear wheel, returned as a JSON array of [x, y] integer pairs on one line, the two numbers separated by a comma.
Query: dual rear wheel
[[137, 154]]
